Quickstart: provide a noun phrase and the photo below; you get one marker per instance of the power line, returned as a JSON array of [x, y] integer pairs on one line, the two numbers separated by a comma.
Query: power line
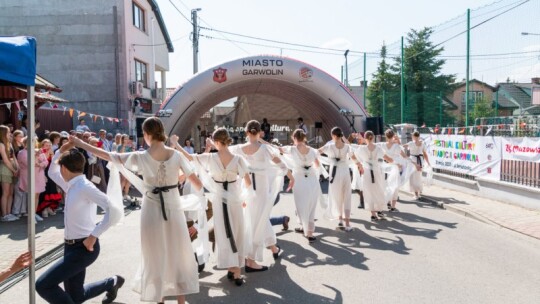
[[180, 12], [276, 47], [283, 42]]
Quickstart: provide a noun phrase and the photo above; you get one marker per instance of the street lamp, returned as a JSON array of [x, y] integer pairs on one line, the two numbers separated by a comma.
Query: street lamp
[[529, 34], [346, 69]]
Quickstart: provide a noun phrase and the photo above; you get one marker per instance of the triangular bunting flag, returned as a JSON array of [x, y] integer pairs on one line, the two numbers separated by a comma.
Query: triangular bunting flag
[[95, 118], [50, 104], [82, 114], [462, 131], [71, 112], [471, 130], [18, 105], [91, 115], [489, 130]]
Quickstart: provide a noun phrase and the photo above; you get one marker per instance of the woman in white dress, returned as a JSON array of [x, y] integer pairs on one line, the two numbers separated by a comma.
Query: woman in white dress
[[393, 178], [168, 267], [265, 180], [419, 155], [373, 182], [306, 189], [339, 190], [222, 174]]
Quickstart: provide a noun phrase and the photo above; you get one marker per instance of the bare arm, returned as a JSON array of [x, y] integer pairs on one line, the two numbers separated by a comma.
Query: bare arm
[[195, 181], [20, 263], [174, 144], [247, 180], [5, 159], [94, 150], [426, 157], [388, 158]]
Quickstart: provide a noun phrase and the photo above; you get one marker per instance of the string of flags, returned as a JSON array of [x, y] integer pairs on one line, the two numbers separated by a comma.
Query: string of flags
[[67, 110]]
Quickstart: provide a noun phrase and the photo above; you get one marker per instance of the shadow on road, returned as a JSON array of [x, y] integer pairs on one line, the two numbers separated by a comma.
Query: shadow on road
[[274, 286]]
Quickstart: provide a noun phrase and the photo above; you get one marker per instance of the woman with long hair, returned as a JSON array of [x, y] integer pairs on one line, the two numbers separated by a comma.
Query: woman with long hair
[[18, 141], [9, 170], [418, 156], [117, 142], [168, 267], [222, 176], [373, 182], [96, 171], [306, 188], [266, 181], [19, 198], [339, 190]]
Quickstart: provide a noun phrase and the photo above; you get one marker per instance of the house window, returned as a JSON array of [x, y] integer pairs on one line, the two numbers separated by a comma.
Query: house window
[[474, 97], [138, 17], [140, 72]]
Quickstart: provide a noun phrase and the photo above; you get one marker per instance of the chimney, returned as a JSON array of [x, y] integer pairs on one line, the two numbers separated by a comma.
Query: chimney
[[535, 80]]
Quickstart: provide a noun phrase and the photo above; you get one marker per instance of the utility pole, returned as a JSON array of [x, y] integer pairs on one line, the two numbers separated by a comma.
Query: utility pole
[[195, 40], [468, 71], [346, 69], [365, 81], [402, 82]]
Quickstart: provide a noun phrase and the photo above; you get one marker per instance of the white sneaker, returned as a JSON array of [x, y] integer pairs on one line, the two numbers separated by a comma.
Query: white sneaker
[[39, 218], [14, 217], [44, 213], [7, 218]]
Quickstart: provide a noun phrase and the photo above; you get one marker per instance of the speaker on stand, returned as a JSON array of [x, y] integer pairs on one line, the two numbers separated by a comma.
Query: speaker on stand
[[318, 126], [375, 125]]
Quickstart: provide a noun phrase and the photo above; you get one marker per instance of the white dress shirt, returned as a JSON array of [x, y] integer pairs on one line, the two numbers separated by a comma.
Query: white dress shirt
[[81, 201]]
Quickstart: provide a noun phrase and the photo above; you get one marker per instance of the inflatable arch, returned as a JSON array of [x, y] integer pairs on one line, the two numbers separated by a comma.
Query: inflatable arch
[[314, 92]]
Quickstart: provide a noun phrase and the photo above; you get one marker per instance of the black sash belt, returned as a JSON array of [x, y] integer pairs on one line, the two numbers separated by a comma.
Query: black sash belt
[[253, 181], [334, 170], [372, 176], [160, 190], [228, 229], [419, 159]]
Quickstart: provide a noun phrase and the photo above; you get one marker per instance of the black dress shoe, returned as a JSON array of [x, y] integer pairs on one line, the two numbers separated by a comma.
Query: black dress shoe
[[298, 230], [311, 239], [286, 220], [230, 275], [276, 254], [249, 269], [201, 267], [113, 292], [239, 281]]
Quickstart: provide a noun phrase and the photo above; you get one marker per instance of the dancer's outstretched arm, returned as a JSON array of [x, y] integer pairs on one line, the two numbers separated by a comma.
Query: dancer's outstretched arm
[[94, 150]]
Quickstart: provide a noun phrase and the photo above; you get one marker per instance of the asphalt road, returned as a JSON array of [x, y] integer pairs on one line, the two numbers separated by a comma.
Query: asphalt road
[[420, 255]]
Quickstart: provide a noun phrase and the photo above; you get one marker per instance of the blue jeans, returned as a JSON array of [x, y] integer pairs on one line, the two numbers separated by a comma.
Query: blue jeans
[[71, 270], [277, 220]]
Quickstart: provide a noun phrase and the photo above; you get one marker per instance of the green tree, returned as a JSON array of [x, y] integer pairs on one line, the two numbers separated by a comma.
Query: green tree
[[424, 82], [482, 108], [383, 81]]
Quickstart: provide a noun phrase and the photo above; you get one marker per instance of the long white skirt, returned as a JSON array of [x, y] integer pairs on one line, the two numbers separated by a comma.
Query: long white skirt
[[168, 266], [307, 191], [262, 234], [339, 193], [374, 189], [415, 182], [225, 256]]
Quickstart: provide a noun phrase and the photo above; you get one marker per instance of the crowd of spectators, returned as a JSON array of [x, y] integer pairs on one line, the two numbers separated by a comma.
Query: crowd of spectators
[[14, 178]]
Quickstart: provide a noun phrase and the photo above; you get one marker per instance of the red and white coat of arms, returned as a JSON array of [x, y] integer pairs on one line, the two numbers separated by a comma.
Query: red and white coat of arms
[[220, 75]]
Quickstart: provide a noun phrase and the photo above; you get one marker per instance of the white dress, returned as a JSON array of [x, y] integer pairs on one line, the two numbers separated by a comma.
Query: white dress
[[168, 266], [417, 156], [393, 177], [373, 182], [339, 190], [265, 182], [219, 178], [306, 188]]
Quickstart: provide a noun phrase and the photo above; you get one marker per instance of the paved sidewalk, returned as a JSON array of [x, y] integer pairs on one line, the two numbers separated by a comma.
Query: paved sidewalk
[[496, 213], [14, 237]]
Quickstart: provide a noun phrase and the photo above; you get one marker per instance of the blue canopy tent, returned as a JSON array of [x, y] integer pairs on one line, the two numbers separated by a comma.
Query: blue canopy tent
[[18, 67]]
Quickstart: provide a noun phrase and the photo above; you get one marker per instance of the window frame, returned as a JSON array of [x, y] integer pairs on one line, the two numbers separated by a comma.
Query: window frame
[[143, 74], [141, 14]]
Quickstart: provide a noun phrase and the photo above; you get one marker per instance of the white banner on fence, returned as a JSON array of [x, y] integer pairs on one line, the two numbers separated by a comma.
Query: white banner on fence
[[473, 155], [523, 148]]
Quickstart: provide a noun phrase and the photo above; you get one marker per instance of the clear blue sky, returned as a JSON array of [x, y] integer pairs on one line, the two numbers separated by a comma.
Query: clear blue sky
[[356, 25]]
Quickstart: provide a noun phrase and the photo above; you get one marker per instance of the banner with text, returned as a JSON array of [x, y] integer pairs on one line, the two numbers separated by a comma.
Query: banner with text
[[524, 148], [473, 155]]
